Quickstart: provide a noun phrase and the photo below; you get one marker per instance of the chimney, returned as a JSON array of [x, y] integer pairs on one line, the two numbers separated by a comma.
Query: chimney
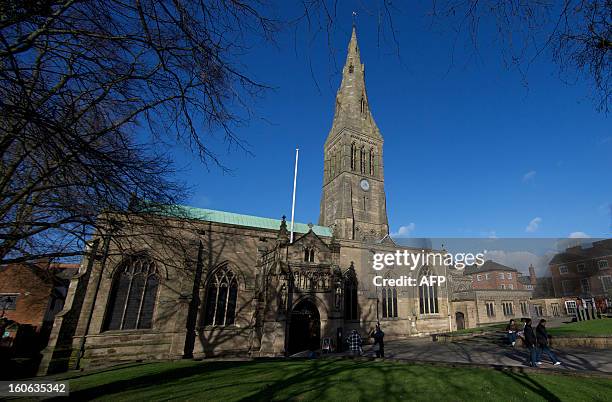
[[532, 275]]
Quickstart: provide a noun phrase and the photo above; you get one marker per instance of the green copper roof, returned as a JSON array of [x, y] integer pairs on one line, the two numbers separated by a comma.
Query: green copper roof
[[231, 218]]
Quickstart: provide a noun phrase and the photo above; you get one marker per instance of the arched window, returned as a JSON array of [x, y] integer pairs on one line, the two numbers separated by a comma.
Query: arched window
[[133, 294], [221, 294], [428, 295], [309, 254], [350, 297], [353, 156], [389, 302], [333, 166], [362, 160], [372, 161], [351, 69], [362, 104]]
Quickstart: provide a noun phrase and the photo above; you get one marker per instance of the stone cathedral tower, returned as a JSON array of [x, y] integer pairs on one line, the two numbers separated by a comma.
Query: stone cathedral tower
[[353, 200]]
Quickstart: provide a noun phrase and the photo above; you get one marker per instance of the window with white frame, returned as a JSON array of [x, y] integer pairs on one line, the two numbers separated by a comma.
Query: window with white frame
[[585, 285], [509, 275], [502, 286], [570, 307], [486, 276], [602, 264], [581, 267], [606, 282], [563, 270], [478, 278], [567, 287], [510, 286], [501, 275]]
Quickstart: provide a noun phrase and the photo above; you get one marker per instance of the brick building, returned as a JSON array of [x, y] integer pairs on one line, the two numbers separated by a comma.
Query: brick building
[[583, 275], [492, 275], [32, 294]]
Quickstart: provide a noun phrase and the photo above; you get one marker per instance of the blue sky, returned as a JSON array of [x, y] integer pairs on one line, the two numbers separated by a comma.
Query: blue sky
[[469, 150]]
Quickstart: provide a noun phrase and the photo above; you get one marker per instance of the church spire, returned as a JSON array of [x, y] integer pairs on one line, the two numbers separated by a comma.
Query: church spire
[[352, 106], [353, 201]]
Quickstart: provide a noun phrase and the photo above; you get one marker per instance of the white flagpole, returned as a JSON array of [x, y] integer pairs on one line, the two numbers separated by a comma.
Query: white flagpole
[[297, 154]]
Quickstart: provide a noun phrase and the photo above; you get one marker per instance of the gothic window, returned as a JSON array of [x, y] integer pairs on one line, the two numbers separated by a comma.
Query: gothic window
[[428, 295], [350, 297], [389, 303], [221, 295], [133, 294], [508, 308], [362, 104], [372, 161], [353, 156], [351, 69], [490, 309], [333, 166], [309, 254], [362, 161]]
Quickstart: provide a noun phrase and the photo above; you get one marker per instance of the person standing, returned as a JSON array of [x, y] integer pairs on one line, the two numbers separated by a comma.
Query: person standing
[[531, 342], [512, 330], [542, 338], [354, 341], [379, 344]]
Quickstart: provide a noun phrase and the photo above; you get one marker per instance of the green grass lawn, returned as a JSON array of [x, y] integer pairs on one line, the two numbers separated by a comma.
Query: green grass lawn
[[326, 379], [601, 327]]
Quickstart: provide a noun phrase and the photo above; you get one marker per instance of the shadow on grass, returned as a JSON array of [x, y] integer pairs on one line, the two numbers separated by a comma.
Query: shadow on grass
[[529, 383], [147, 381], [315, 379]]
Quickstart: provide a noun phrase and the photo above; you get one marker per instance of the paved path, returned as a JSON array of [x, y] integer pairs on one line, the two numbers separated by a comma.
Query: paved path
[[490, 349]]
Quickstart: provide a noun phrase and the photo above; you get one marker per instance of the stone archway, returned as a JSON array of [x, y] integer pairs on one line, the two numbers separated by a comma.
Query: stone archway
[[304, 327], [460, 320]]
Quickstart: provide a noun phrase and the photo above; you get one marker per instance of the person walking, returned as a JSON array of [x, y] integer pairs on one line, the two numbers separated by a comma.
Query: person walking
[[542, 338], [379, 344], [531, 342], [511, 330], [354, 341]]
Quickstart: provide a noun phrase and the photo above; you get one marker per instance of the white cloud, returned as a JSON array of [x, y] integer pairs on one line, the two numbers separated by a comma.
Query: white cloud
[[533, 225], [529, 176], [405, 230], [578, 235]]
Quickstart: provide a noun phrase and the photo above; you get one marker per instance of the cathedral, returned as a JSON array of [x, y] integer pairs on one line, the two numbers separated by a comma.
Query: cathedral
[[214, 283]]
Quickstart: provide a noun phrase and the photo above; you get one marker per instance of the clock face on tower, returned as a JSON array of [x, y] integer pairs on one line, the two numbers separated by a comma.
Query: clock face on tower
[[364, 184]]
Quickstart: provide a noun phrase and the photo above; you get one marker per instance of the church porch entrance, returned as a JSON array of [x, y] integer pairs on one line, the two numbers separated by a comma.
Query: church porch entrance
[[304, 327]]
